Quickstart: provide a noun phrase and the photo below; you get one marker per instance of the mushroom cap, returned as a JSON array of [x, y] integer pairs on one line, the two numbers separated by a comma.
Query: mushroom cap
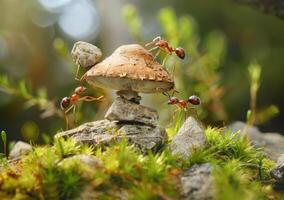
[[85, 54], [130, 67]]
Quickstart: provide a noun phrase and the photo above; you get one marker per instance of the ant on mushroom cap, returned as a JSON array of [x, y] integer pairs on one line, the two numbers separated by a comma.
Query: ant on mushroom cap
[[163, 45], [69, 103]]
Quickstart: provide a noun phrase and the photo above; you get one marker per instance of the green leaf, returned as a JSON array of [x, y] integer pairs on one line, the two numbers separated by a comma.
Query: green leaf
[[248, 115], [4, 137], [254, 70], [23, 89], [133, 21], [266, 114], [46, 138], [41, 93], [4, 80], [60, 47], [216, 48], [168, 20]]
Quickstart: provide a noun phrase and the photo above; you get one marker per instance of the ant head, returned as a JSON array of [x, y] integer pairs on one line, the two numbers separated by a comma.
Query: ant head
[[162, 43], [65, 103], [173, 100], [194, 100], [79, 90], [180, 52]]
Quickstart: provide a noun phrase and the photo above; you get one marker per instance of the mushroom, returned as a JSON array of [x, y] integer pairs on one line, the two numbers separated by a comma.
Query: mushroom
[[130, 69]]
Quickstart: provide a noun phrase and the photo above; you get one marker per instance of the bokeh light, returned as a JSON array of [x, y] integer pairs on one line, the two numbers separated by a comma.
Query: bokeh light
[[43, 18], [54, 5], [30, 131], [72, 17]]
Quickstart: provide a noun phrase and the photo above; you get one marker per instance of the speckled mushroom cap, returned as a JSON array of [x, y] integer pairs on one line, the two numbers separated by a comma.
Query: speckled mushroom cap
[[130, 67]]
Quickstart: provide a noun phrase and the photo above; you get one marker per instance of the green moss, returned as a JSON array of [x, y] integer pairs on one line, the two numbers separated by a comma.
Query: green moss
[[239, 170], [234, 182]]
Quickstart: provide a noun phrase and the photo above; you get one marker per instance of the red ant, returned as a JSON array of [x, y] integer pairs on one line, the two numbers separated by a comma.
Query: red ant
[[69, 103], [163, 45], [183, 104]]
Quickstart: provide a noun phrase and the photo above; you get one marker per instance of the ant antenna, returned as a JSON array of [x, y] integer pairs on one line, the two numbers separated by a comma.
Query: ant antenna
[[166, 94]]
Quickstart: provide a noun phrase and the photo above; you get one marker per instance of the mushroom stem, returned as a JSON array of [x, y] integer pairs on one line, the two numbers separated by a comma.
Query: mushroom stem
[[129, 95]]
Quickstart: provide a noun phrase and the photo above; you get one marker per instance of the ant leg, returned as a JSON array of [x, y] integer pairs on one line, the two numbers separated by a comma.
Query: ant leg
[[174, 68], [156, 55], [166, 94], [65, 116], [83, 78], [66, 120], [164, 61], [186, 114], [77, 73], [194, 112], [156, 39], [154, 48], [149, 43], [176, 110], [90, 98], [74, 114], [174, 91]]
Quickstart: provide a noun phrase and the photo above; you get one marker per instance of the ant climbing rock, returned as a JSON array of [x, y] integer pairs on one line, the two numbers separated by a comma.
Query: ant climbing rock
[[163, 45], [69, 103]]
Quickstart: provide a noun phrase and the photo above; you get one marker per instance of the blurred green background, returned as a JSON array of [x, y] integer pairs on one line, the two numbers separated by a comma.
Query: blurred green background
[[222, 39]]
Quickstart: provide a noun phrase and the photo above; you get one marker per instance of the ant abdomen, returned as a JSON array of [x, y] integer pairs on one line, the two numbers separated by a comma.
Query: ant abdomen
[[180, 52], [194, 100], [65, 103]]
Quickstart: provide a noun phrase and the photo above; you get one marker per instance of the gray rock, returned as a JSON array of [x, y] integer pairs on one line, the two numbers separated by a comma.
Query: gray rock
[[124, 110], [197, 183], [19, 149], [91, 161], [273, 143], [145, 137], [85, 54], [278, 171], [189, 137], [96, 133], [104, 132]]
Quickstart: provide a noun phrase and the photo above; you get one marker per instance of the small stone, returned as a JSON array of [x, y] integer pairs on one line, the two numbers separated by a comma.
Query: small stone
[[123, 110], [85, 54], [278, 171], [189, 137], [86, 132], [19, 149], [197, 183], [91, 161], [145, 137], [273, 143], [105, 132]]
